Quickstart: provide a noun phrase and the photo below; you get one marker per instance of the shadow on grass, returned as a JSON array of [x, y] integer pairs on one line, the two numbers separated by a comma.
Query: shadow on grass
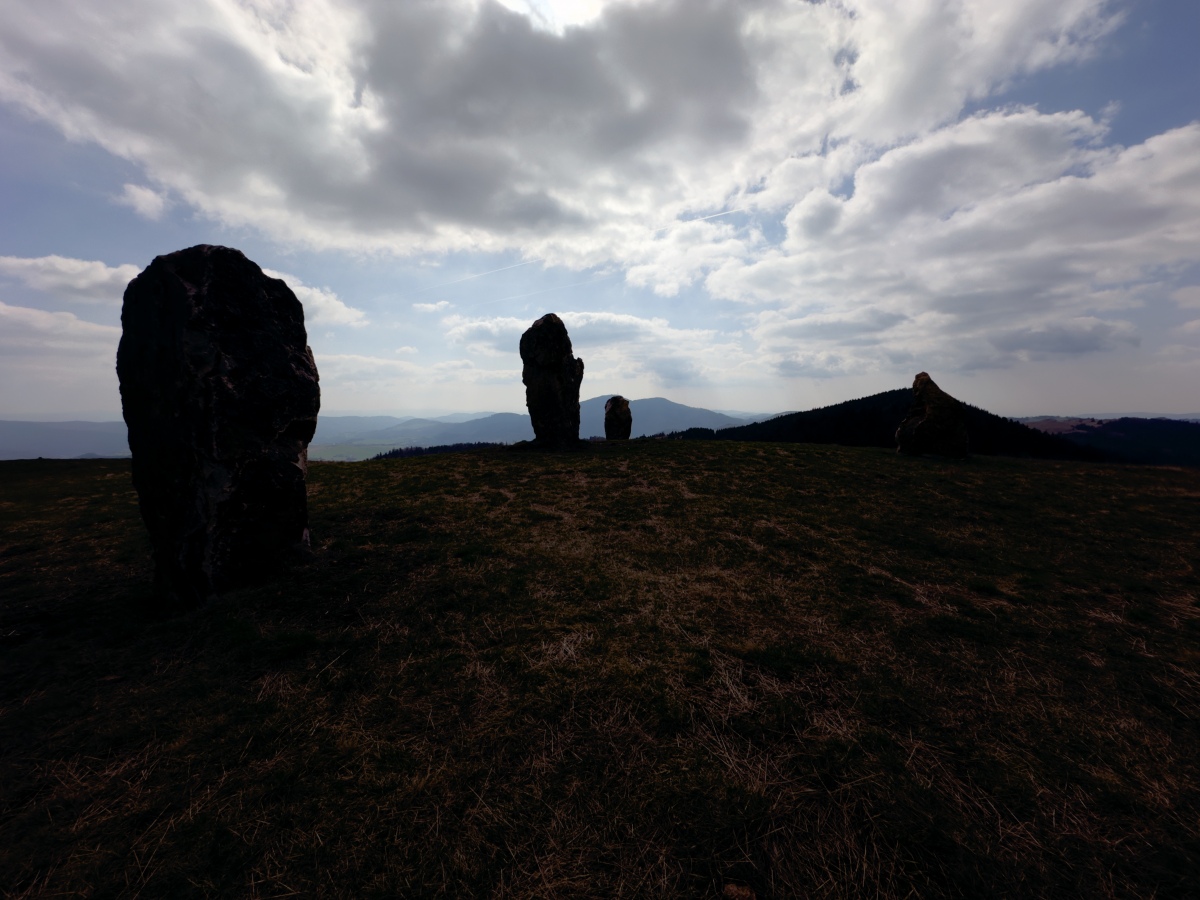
[[640, 669]]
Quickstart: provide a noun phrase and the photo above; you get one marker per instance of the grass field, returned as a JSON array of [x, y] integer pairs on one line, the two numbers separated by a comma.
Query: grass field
[[348, 452], [652, 669]]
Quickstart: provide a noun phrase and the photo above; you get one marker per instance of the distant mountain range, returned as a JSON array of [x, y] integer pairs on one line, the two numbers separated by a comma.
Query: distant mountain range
[[868, 421], [62, 440], [361, 437], [338, 439], [1107, 417]]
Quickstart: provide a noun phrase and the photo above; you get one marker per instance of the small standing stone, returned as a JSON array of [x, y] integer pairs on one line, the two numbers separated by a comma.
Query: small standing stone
[[618, 420], [936, 423], [552, 377], [219, 391]]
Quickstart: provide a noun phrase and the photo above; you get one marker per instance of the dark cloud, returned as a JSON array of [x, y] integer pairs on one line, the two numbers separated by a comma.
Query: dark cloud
[[866, 325], [1085, 335], [490, 120]]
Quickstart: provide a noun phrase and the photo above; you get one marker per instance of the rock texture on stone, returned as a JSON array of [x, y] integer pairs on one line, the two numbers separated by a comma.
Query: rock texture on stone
[[936, 423], [219, 392], [552, 377], [618, 420]]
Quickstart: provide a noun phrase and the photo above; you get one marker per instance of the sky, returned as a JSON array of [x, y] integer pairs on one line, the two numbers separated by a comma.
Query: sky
[[754, 205]]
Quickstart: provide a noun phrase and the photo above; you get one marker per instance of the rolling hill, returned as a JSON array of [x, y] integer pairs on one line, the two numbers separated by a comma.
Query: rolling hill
[[872, 422], [868, 421], [650, 668], [350, 438], [1155, 441]]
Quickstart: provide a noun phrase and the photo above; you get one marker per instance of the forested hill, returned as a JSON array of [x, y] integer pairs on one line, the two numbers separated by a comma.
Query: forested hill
[[1160, 442], [872, 422]]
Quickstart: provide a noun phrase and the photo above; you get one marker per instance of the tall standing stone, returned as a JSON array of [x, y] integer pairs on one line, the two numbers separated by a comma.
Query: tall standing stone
[[220, 394], [552, 377], [936, 423], [618, 420]]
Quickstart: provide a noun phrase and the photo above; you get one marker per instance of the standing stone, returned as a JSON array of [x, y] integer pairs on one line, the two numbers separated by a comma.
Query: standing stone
[[552, 377], [618, 420], [219, 391], [936, 423]]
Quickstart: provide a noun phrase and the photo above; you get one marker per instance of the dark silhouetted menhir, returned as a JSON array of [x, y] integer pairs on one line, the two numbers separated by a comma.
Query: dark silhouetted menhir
[[552, 376], [220, 394], [618, 420]]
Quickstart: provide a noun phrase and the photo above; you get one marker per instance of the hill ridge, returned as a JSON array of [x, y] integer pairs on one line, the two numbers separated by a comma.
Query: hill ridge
[[871, 421]]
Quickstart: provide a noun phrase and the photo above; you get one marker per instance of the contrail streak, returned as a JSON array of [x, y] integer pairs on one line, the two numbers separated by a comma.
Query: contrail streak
[[434, 287], [727, 212]]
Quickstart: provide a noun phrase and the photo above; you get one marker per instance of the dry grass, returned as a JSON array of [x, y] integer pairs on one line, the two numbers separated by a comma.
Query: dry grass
[[650, 669]]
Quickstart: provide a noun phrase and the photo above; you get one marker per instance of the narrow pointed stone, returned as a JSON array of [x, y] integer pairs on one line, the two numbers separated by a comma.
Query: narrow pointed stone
[[936, 423]]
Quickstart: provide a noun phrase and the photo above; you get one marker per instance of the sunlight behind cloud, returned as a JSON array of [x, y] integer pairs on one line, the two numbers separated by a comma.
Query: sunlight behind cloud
[[557, 15], [773, 194]]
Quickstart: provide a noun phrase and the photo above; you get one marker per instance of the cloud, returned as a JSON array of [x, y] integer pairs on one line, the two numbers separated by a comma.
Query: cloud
[[878, 225], [953, 245], [798, 364], [619, 346], [363, 373], [321, 305], [71, 280], [486, 336], [1187, 297], [866, 325], [145, 201], [676, 256], [89, 281], [912, 66], [56, 358], [557, 15], [1074, 336], [464, 124], [35, 332], [350, 366]]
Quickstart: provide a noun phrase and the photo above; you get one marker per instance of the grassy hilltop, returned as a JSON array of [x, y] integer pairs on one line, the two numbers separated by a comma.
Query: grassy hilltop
[[646, 669]]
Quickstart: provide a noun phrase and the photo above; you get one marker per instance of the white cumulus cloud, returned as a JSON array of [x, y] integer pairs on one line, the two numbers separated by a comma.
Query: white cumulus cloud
[[618, 346], [55, 361], [461, 124], [989, 240], [321, 305], [838, 182], [36, 332], [146, 202], [71, 280]]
